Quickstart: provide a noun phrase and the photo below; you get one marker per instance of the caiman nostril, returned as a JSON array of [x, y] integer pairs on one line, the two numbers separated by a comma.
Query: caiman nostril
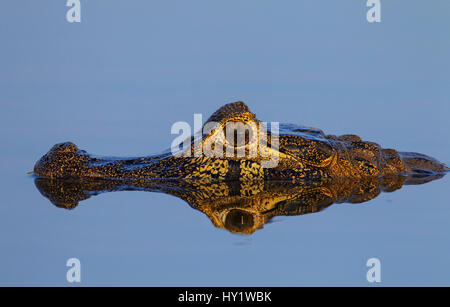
[[62, 160]]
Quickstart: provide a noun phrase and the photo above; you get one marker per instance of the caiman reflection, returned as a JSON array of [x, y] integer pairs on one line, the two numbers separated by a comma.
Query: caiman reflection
[[239, 207]]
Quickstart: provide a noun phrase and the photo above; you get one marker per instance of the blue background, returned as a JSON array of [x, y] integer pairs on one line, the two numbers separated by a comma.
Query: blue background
[[116, 82]]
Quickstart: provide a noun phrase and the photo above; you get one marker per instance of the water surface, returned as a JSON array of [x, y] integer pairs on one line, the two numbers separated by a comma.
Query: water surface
[[115, 83]]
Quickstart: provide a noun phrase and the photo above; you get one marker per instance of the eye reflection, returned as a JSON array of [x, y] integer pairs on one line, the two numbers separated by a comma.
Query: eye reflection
[[238, 220]]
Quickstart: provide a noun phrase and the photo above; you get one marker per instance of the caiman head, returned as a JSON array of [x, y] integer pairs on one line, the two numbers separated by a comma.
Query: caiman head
[[234, 145]]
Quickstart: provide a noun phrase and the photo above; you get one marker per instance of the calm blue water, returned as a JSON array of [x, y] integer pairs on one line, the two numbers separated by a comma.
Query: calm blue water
[[116, 82]]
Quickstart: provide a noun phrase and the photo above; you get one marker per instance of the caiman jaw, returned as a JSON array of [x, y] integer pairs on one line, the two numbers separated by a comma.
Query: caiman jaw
[[65, 160]]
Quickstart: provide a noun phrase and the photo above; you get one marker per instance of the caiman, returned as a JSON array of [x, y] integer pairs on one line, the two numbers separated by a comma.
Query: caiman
[[313, 171], [302, 153]]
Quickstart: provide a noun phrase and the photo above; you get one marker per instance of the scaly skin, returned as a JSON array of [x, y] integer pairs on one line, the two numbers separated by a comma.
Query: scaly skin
[[304, 154]]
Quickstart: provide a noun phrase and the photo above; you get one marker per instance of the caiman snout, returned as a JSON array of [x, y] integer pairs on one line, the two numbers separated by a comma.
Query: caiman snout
[[62, 160]]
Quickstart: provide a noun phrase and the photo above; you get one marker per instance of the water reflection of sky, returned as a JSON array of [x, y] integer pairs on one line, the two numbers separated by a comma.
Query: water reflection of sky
[[115, 84]]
